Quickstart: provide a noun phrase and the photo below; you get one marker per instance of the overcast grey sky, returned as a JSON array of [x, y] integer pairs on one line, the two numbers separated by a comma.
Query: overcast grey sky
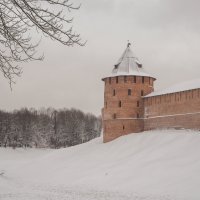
[[165, 36]]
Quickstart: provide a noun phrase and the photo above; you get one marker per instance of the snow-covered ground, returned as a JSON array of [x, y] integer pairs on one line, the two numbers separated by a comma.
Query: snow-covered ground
[[154, 165]]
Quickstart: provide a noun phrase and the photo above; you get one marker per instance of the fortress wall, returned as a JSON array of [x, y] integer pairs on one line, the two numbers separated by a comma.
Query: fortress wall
[[178, 110], [177, 122]]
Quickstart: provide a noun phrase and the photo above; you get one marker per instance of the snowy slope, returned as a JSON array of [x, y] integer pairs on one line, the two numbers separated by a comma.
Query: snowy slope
[[150, 165], [11, 158]]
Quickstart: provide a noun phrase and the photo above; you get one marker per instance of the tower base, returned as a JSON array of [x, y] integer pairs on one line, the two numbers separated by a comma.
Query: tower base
[[119, 127]]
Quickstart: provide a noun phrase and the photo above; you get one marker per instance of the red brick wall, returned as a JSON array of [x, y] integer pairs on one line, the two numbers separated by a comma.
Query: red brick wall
[[189, 121], [118, 127], [131, 105], [180, 110]]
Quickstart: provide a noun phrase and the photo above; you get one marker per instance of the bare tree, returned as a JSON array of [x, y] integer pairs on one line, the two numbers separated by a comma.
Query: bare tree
[[18, 20]]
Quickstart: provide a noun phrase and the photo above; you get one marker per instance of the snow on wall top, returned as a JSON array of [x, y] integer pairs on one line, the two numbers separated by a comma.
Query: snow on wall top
[[188, 85], [128, 65]]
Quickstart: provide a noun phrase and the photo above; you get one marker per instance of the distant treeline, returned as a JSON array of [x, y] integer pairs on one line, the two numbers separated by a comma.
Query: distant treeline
[[47, 128]]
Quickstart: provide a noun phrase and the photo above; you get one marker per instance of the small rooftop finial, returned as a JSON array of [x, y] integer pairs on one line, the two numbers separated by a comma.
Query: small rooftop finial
[[128, 45]]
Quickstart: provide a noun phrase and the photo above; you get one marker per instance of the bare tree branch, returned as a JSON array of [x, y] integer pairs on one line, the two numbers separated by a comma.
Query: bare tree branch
[[18, 18]]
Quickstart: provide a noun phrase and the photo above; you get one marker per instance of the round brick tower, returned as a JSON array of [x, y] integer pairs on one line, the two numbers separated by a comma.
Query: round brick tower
[[123, 111]]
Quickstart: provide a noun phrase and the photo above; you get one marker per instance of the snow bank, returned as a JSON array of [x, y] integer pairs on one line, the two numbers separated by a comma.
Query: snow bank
[[164, 163], [11, 158], [187, 85]]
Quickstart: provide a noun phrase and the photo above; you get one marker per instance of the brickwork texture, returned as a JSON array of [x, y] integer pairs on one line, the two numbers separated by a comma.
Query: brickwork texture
[[126, 110]]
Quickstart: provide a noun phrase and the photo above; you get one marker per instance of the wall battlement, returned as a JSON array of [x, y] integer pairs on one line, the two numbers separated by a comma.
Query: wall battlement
[[174, 110]]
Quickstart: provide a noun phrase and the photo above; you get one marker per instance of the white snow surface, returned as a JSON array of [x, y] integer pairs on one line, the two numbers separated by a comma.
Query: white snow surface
[[153, 165], [183, 86]]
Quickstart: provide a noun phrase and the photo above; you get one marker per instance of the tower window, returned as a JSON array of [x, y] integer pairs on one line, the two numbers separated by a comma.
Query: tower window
[[143, 79], [114, 92], [125, 79], [134, 79], [120, 104], [114, 116], [142, 93], [123, 127], [138, 103], [129, 92], [117, 80], [109, 80]]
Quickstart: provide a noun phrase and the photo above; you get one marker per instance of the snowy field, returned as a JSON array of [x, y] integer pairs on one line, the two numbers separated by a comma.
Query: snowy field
[[154, 165]]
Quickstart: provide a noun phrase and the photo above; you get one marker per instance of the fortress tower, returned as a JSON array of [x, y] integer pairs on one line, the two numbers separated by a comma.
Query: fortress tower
[[123, 111]]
